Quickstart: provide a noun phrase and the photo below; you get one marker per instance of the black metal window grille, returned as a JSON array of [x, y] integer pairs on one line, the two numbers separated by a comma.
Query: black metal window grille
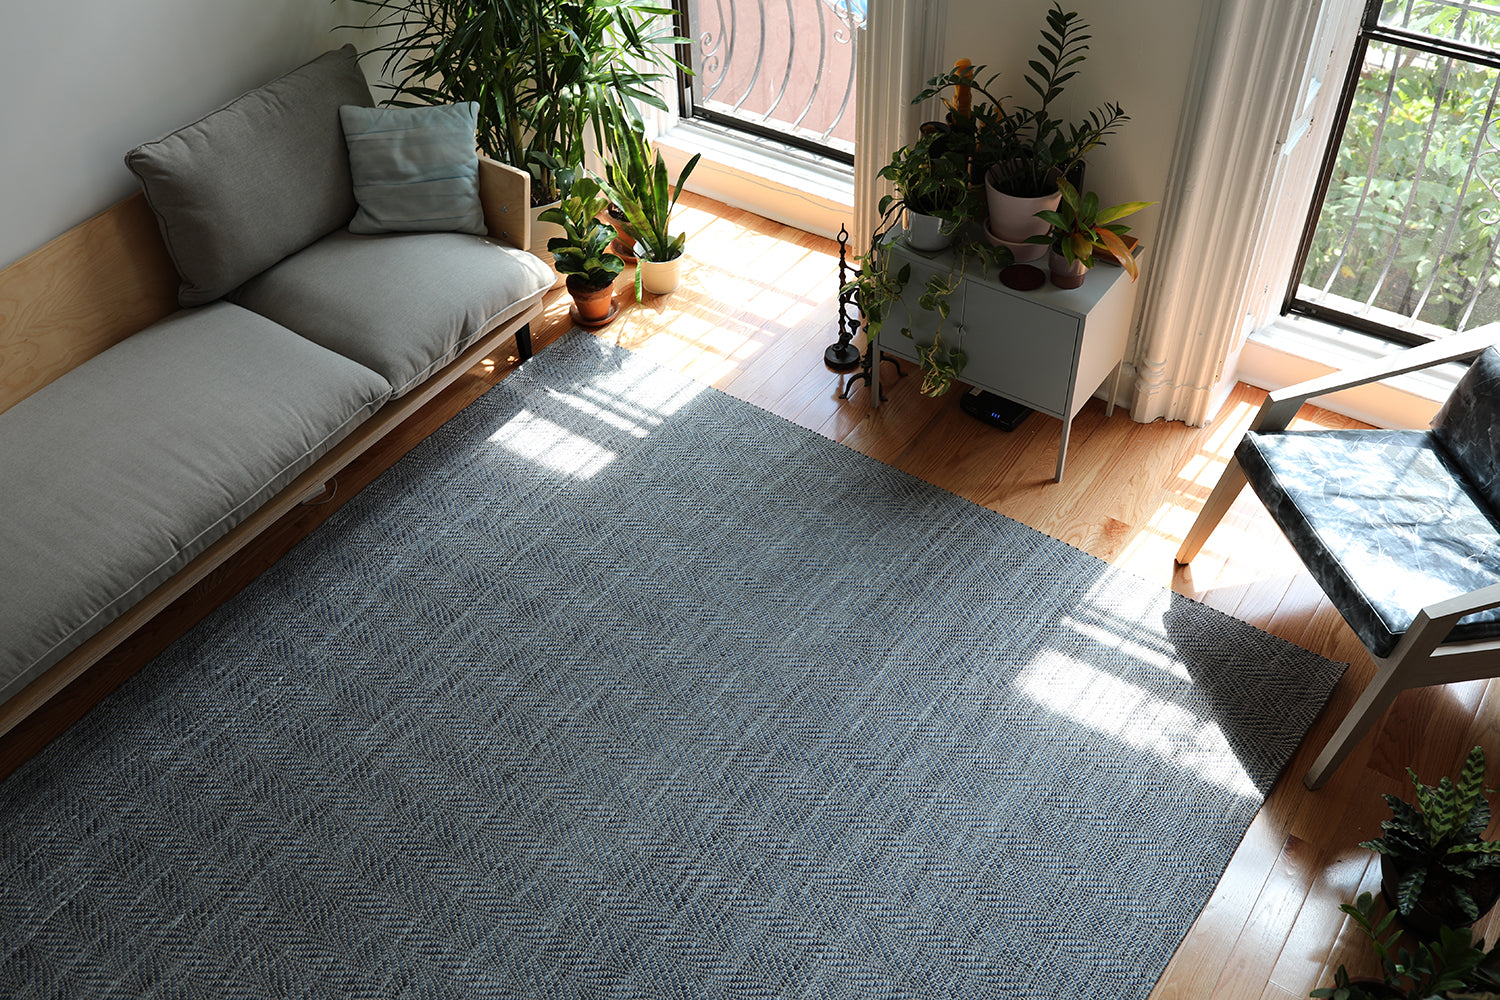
[[1404, 233]]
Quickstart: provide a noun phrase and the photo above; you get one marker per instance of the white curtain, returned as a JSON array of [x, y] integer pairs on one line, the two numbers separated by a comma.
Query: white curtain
[[1253, 128], [899, 50]]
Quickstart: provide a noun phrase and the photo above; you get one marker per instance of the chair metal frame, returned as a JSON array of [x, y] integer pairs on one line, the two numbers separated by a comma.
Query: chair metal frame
[[1421, 658]]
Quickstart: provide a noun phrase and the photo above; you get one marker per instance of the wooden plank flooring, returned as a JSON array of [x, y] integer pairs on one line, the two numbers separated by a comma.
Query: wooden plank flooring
[[757, 309]]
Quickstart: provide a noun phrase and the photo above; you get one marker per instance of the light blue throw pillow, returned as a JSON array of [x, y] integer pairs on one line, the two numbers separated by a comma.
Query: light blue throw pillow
[[414, 169]]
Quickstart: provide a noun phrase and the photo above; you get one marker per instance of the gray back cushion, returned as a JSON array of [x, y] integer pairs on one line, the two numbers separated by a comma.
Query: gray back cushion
[[256, 180], [1468, 427], [415, 169]]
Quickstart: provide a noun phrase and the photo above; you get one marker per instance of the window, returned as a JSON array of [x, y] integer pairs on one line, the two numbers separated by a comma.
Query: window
[[780, 69], [1404, 237]]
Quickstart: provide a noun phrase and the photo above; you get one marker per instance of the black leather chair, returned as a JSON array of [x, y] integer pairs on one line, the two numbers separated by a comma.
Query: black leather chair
[[1401, 528]]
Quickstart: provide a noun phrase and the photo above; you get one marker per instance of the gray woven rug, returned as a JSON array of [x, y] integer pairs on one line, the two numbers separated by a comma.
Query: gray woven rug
[[621, 687]]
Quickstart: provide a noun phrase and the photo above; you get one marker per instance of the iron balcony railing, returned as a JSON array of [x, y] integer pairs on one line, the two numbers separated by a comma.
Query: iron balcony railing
[[783, 69]]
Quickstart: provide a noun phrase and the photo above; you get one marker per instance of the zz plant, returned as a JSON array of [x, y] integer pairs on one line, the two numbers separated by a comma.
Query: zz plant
[[1436, 846], [1028, 148]]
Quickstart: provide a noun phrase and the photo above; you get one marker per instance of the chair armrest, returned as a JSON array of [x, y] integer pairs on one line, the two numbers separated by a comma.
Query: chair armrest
[[1282, 405], [1455, 608], [505, 194]]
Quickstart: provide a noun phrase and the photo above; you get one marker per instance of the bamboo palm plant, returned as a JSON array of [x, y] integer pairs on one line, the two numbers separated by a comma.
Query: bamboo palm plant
[[540, 70]]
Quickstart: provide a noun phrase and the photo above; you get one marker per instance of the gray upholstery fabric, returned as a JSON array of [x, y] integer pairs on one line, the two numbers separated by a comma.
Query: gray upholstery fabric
[[1468, 427], [256, 180], [1382, 522], [415, 169], [122, 470], [401, 305]]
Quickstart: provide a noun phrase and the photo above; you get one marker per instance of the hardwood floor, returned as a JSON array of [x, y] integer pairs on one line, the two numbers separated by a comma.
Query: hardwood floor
[[753, 317]]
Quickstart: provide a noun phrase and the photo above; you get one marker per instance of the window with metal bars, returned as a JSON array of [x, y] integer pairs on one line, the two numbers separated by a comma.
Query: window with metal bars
[[778, 69], [1403, 240]]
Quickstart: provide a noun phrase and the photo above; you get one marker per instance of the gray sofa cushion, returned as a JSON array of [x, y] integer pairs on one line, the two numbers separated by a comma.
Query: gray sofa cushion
[[403, 305], [256, 180], [124, 469], [1381, 521], [415, 169], [1468, 426]]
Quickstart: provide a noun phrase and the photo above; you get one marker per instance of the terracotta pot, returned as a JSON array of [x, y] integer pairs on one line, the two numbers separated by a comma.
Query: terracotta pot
[[1065, 273], [1013, 219], [927, 232], [660, 277], [624, 244], [1435, 910], [592, 307]]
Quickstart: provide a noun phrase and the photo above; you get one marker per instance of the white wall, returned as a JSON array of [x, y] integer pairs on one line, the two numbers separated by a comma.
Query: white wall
[[87, 80], [1140, 56]]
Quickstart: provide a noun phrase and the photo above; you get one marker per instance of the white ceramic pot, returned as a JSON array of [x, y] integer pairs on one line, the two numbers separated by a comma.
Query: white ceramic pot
[[659, 277], [541, 232], [1013, 219], [927, 232]]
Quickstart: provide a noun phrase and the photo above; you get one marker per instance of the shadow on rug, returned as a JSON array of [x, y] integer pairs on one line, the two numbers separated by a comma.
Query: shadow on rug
[[564, 705]]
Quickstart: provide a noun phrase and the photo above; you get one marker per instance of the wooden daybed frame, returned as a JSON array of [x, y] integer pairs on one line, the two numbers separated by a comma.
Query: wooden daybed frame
[[97, 284]]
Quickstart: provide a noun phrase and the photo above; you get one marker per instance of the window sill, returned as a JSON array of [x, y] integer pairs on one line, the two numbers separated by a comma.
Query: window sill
[[761, 176], [1292, 349]]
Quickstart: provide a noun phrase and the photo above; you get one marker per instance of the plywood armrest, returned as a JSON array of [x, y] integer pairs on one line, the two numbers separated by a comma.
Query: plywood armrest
[[1282, 405], [505, 194], [1450, 611]]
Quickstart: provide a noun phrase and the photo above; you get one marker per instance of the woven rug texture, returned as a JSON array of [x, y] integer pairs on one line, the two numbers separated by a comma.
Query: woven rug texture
[[618, 686]]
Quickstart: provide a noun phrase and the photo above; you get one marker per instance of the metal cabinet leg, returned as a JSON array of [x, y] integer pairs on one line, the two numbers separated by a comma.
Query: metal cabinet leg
[[1062, 450]]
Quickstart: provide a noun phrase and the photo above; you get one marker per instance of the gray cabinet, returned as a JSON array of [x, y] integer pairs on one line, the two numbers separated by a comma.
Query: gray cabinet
[[1048, 349]]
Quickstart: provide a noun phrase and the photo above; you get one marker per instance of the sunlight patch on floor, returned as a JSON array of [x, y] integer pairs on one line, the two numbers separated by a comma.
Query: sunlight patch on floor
[[540, 440], [603, 409], [1119, 710]]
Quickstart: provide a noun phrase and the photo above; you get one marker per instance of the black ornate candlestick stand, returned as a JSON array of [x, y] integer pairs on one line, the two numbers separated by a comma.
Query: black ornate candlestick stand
[[843, 358]]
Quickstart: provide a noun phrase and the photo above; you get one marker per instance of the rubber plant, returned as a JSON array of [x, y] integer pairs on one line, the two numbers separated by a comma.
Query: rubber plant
[[1436, 847], [582, 252], [540, 70]]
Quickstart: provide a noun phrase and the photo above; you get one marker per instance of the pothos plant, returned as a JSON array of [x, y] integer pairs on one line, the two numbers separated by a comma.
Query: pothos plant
[[932, 183]]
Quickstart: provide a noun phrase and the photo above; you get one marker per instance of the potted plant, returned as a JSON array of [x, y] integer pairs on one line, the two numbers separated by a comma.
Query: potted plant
[[636, 180], [540, 71], [1436, 868], [1023, 151], [1450, 966], [582, 253], [1077, 228], [931, 179]]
